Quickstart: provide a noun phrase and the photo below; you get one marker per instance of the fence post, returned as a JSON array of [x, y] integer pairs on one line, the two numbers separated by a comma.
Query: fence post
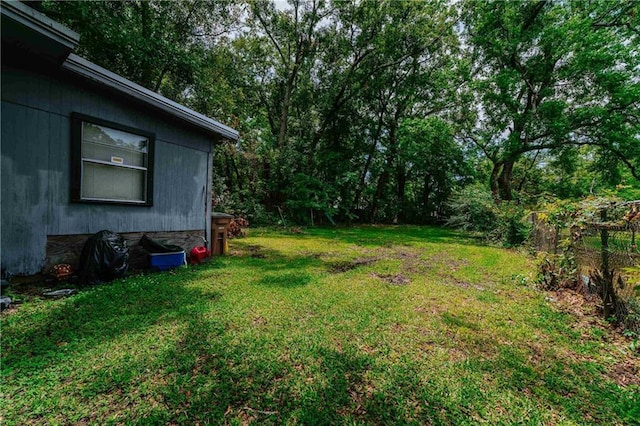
[[608, 295]]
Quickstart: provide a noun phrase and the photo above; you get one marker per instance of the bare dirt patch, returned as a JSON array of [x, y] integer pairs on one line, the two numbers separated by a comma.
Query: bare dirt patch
[[255, 251], [340, 267], [627, 372], [452, 280], [581, 306], [258, 321], [452, 263], [393, 279], [411, 262]]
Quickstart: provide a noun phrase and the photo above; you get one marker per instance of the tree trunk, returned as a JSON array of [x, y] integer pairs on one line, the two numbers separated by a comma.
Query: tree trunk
[[284, 114], [505, 181], [383, 179], [426, 193], [401, 184], [493, 182], [382, 182], [371, 153], [390, 157]]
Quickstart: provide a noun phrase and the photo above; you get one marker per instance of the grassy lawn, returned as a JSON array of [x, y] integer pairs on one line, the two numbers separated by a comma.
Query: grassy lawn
[[373, 325]]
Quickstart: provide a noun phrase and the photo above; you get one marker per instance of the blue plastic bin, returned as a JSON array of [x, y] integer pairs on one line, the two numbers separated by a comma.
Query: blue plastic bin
[[164, 261]]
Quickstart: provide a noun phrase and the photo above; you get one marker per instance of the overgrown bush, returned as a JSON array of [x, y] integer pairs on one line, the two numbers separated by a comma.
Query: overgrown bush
[[242, 205], [513, 229], [600, 234], [556, 271], [474, 209]]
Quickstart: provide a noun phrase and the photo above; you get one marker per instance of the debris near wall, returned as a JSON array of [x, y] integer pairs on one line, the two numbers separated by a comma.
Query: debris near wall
[[236, 227]]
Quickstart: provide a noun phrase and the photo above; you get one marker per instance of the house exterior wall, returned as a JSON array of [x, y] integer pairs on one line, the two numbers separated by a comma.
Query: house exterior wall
[[35, 143]]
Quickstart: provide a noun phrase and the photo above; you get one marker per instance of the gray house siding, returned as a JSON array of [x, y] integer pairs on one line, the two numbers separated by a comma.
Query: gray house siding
[[35, 149]]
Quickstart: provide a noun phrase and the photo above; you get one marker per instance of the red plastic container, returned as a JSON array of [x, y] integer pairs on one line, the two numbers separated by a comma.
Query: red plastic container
[[198, 254]]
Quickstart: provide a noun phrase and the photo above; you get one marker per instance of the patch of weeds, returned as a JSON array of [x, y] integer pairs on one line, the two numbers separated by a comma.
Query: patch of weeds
[[453, 320], [556, 271], [345, 266], [520, 280], [286, 279], [488, 297], [633, 337]]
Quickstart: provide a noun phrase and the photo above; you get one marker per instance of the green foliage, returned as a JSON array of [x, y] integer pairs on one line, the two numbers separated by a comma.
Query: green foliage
[[553, 76], [433, 163], [473, 209], [580, 230], [306, 195], [154, 43], [513, 228], [242, 204], [378, 111], [559, 213], [556, 271]]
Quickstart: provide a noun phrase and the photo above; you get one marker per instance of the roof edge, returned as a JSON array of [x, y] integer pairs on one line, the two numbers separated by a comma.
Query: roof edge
[[36, 21], [104, 77]]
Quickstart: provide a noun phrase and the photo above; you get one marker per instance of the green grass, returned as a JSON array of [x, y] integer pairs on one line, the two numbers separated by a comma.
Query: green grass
[[371, 325]]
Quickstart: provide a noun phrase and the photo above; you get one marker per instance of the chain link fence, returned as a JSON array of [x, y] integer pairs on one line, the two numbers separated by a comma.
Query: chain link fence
[[604, 250]]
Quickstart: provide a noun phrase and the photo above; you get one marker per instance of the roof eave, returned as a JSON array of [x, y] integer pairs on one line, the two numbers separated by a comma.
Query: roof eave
[[104, 77], [40, 23]]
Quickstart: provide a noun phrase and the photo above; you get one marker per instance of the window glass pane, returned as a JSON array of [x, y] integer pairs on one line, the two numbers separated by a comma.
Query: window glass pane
[[101, 134], [112, 182], [110, 153]]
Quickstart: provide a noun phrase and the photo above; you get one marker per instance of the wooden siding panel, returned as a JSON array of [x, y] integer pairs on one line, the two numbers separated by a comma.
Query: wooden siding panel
[[36, 140], [63, 94], [24, 186], [180, 176], [59, 173]]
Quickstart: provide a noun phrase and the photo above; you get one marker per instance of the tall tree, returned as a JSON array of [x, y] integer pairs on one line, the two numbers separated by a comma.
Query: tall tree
[[434, 165], [550, 75], [157, 44], [335, 80]]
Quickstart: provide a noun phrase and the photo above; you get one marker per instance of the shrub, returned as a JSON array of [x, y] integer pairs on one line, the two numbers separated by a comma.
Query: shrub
[[474, 209], [556, 271], [243, 205], [512, 228]]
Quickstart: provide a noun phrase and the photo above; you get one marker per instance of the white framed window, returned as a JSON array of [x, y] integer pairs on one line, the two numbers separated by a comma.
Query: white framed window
[[111, 163]]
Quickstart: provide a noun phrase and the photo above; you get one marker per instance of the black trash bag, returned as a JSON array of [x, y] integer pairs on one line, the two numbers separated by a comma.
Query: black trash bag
[[104, 257], [155, 247]]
